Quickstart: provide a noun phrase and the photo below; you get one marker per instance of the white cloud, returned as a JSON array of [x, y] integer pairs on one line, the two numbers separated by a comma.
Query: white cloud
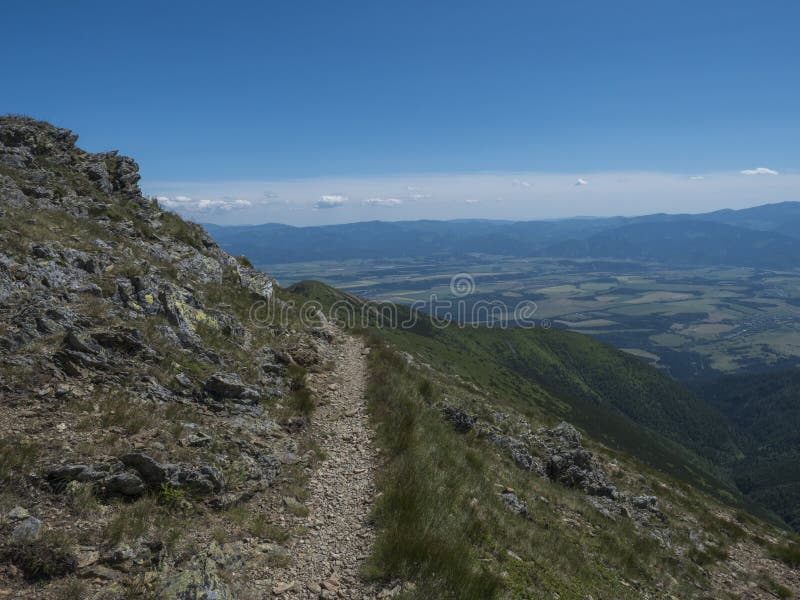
[[383, 202], [521, 183], [759, 171], [696, 177], [581, 181], [471, 200], [330, 201], [190, 205]]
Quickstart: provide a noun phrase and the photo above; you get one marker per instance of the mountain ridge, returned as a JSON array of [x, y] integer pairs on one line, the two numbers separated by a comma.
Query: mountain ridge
[[756, 231]]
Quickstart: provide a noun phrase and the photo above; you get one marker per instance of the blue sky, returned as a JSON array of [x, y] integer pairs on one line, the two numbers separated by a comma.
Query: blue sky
[[259, 111]]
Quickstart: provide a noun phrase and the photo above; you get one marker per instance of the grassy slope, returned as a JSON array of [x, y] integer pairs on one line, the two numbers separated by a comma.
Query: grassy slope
[[443, 526]]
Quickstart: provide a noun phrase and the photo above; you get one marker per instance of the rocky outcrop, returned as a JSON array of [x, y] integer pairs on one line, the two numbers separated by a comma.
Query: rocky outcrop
[[458, 418], [132, 372], [229, 385], [556, 452], [143, 473], [569, 463]]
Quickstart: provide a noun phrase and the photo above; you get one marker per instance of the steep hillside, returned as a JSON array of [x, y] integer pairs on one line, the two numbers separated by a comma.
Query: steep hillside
[[156, 436], [765, 410]]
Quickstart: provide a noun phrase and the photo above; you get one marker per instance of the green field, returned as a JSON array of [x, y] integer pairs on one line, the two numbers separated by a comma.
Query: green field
[[691, 322]]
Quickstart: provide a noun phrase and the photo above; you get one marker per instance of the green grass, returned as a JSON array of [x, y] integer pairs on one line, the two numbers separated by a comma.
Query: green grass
[[170, 497], [261, 527], [16, 457], [788, 553], [131, 521], [441, 522], [425, 535]]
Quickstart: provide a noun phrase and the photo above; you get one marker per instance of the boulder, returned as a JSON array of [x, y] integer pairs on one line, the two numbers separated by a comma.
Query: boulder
[[572, 465], [27, 529], [152, 472], [205, 481], [229, 385], [125, 484], [195, 583], [458, 418], [514, 504], [59, 476], [17, 514]]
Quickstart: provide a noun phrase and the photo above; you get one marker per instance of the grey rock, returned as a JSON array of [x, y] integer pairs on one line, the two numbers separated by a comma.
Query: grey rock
[[645, 502], [152, 472], [98, 172], [229, 385], [28, 529], [458, 417], [59, 476], [43, 251], [518, 451], [194, 584], [257, 282], [572, 465], [139, 553], [205, 481], [17, 514], [125, 484], [513, 502], [82, 342]]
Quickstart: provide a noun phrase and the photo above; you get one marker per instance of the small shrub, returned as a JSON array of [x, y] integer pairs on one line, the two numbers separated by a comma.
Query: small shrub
[[50, 555], [16, 456], [787, 553], [73, 588], [136, 588], [244, 261], [170, 496], [297, 509], [775, 588], [237, 514], [131, 522], [302, 401], [183, 231], [220, 535], [426, 390], [297, 376], [710, 554], [127, 413], [80, 497], [261, 528]]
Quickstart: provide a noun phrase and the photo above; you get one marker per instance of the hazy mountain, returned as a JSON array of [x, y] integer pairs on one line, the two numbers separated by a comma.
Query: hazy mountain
[[759, 237]]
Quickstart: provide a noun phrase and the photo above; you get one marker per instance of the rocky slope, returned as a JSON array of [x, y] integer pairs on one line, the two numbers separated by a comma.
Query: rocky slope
[[148, 415]]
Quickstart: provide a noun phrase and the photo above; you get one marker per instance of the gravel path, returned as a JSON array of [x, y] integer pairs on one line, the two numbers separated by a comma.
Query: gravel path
[[327, 560]]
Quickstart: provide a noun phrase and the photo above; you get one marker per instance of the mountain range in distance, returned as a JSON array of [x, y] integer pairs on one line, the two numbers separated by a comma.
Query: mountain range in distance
[[760, 237]]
